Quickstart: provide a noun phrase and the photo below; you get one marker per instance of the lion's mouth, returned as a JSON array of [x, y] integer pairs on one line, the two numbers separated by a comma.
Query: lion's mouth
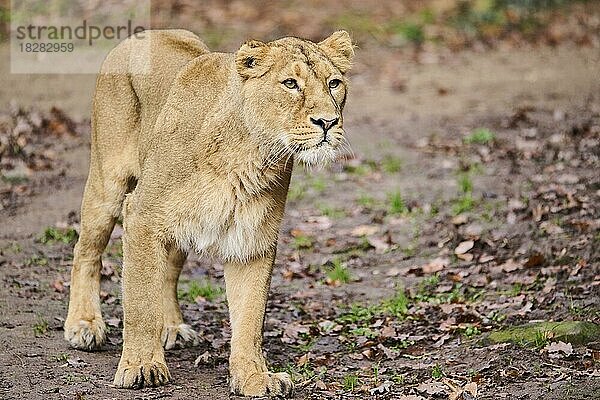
[[322, 142], [308, 146]]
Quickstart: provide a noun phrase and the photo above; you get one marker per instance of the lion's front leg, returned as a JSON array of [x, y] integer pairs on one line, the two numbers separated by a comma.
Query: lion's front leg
[[247, 287], [142, 360]]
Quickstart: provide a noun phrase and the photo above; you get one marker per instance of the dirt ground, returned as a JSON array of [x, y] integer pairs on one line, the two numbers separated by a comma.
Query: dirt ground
[[479, 232]]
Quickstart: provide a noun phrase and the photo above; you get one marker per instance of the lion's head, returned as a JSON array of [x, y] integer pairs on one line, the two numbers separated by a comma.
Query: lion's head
[[294, 92]]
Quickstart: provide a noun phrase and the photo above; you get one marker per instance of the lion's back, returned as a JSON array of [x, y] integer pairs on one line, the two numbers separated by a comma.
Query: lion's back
[[132, 87]]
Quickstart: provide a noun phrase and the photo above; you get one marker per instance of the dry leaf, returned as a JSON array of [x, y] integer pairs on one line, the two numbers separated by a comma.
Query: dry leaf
[[551, 229], [549, 285], [114, 322], [559, 349], [380, 245], [486, 258], [58, 285], [465, 257], [320, 385], [364, 230], [292, 331], [510, 265], [203, 358], [388, 332], [303, 360], [460, 219], [381, 389], [76, 362], [467, 392], [535, 260], [463, 247], [431, 388], [435, 265]]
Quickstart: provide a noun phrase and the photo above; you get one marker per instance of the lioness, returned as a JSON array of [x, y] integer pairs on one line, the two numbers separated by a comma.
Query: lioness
[[197, 154]]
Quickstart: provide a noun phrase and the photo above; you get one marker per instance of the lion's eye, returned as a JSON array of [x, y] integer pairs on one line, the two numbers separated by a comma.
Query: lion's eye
[[334, 83], [290, 83]]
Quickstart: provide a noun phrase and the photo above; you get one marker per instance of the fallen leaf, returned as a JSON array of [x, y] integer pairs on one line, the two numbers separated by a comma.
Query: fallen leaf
[[320, 223], [297, 233], [510, 265], [516, 205], [435, 265], [114, 322], [486, 258], [76, 362], [431, 388], [107, 270], [320, 385], [468, 392], [535, 260], [472, 231], [465, 257], [389, 353], [559, 349], [303, 360], [464, 247], [381, 389], [568, 179], [460, 219], [364, 230], [551, 229], [380, 245], [203, 358], [388, 332], [58, 285], [292, 332], [549, 286]]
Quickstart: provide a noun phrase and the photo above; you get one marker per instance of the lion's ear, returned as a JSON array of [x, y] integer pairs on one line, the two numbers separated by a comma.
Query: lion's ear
[[340, 50], [252, 59]]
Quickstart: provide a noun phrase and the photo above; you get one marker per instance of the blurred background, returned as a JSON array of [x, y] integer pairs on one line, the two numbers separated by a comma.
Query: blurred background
[[389, 34]]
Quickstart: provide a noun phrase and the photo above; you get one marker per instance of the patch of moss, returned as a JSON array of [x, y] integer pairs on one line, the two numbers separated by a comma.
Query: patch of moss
[[574, 332]]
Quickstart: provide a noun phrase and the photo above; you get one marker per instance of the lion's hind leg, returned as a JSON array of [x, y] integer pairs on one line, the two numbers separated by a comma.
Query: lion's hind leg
[[175, 332], [84, 328]]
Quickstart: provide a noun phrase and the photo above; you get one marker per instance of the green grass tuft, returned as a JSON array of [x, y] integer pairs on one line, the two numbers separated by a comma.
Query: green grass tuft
[[480, 136], [396, 203], [204, 289], [40, 328], [351, 381], [331, 212], [339, 272], [391, 164], [303, 242], [436, 372], [464, 203], [366, 201], [397, 305], [410, 31], [53, 235], [465, 183]]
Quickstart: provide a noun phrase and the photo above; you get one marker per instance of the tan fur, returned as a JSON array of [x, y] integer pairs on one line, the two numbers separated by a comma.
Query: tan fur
[[204, 143]]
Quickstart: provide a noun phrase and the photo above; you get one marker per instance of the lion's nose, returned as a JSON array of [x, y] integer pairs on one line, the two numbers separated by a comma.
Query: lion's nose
[[324, 123]]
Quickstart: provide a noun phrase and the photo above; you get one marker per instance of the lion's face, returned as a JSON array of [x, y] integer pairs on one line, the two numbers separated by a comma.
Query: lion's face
[[294, 93]]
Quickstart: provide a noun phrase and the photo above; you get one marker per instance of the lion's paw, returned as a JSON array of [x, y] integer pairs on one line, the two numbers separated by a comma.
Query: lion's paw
[[85, 334], [181, 335], [263, 384], [140, 376]]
